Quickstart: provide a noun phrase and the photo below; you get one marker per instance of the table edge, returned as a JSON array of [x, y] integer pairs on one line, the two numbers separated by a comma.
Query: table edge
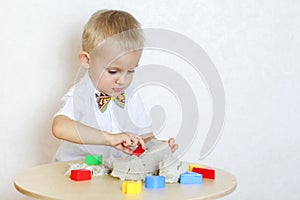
[[40, 196]]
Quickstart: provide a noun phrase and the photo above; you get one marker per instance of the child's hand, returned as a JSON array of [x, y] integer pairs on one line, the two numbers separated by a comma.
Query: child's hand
[[124, 141], [172, 145]]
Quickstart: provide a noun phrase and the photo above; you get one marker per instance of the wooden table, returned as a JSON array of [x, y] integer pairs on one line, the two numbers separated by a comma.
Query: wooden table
[[49, 182]]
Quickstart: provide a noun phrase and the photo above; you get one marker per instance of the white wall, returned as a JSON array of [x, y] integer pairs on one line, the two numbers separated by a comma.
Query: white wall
[[255, 46]]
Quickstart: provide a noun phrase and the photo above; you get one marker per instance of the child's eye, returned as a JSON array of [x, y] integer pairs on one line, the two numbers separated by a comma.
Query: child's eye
[[112, 71], [131, 71]]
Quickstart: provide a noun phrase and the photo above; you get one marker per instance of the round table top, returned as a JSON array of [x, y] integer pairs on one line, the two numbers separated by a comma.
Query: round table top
[[50, 182]]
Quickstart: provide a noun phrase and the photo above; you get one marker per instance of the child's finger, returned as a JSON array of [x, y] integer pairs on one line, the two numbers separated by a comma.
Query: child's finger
[[126, 141], [126, 150], [136, 140], [141, 142], [174, 148], [171, 141]]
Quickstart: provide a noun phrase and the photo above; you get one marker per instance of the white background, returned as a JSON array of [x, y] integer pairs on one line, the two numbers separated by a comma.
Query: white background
[[255, 46]]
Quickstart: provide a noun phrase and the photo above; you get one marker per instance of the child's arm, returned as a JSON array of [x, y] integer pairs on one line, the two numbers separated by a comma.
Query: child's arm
[[149, 136], [70, 130]]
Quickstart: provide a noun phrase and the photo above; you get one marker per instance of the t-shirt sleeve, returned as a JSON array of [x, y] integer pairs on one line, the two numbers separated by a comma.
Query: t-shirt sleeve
[[67, 108]]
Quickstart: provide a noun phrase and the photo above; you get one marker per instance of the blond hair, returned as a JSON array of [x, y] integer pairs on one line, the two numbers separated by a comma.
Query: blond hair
[[105, 24]]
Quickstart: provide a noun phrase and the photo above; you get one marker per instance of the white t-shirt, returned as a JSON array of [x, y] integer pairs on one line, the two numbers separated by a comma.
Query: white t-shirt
[[80, 105]]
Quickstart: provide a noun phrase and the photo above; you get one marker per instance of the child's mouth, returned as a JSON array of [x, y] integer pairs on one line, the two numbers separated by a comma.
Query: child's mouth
[[118, 89]]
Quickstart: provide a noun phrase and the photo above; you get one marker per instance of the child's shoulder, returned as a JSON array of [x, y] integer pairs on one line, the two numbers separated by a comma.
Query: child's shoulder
[[84, 86], [83, 81]]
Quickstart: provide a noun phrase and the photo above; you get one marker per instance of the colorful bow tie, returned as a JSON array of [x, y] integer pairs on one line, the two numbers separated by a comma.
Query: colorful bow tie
[[103, 100]]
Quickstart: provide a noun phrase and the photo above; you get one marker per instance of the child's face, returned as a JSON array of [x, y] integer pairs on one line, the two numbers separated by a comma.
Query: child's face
[[114, 77]]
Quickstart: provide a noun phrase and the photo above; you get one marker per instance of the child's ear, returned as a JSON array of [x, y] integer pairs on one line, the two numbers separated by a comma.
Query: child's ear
[[84, 58]]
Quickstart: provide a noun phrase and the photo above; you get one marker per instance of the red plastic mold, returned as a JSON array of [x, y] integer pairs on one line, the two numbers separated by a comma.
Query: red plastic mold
[[81, 175], [206, 173], [138, 151]]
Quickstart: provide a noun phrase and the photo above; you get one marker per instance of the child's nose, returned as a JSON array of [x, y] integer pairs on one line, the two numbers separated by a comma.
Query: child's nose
[[121, 79]]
